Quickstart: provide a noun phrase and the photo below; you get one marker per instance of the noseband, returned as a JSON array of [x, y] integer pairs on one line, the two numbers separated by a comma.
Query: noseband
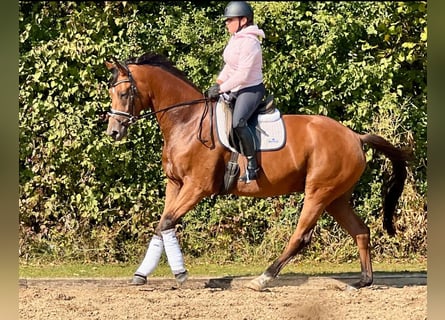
[[130, 117]]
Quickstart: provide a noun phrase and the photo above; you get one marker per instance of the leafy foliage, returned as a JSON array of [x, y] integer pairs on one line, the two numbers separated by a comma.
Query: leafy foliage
[[85, 197]]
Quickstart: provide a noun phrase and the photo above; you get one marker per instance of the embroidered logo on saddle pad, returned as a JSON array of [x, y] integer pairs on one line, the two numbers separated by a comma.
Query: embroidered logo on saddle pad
[[269, 129]]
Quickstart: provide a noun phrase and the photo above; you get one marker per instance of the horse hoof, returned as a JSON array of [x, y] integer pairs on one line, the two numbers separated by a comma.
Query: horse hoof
[[138, 280], [181, 277], [360, 284], [350, 288], [254, 285], [259, 283]]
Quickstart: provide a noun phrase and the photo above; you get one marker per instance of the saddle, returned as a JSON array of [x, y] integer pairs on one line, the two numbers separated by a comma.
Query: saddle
[[266, 106], [266, 125]]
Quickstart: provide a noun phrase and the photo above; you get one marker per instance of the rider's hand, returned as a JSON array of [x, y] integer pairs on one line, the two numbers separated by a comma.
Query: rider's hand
[[213, 91]]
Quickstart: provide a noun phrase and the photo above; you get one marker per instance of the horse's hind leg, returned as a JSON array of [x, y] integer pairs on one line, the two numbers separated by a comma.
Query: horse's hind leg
[[310, 213], [343, 213]]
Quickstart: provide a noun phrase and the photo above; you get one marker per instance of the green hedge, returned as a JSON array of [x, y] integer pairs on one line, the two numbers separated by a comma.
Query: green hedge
[[85, 197]]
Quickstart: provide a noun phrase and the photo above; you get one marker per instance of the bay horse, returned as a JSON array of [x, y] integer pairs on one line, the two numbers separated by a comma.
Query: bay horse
[[321, 157]]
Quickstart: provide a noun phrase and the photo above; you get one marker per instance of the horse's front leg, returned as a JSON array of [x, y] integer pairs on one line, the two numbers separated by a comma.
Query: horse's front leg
[[178, 201]]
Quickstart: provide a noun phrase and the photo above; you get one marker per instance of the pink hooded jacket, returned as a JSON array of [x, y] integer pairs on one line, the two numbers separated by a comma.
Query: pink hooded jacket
[[243, 60]]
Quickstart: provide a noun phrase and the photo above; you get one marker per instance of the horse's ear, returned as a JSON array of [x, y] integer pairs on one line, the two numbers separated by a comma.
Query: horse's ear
[[120, 66], [110, 66], [116, 62]]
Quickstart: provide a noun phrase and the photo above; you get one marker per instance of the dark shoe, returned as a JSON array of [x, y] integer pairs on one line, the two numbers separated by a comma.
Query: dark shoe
[[138, 280]]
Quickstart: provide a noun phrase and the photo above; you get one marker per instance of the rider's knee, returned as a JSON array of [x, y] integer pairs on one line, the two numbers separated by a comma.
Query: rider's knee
[[240, 124]]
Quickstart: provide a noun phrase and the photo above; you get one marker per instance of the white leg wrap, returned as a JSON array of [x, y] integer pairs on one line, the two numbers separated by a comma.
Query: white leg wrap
[[173, 251], [152, 257]]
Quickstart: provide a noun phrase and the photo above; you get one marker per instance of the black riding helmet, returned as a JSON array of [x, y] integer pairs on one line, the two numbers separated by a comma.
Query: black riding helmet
[[239, 9]]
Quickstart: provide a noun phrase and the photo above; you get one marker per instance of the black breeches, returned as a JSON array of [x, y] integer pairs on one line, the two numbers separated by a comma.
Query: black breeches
[[247, 99]]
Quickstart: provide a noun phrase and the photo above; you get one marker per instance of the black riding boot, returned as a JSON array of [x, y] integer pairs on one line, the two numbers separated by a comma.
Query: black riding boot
[[248, 149]]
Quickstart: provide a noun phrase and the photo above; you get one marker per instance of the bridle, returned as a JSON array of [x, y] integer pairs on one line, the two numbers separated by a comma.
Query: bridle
[[131, 117]]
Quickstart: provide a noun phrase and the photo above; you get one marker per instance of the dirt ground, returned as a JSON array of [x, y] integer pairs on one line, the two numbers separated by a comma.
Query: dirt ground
[[393, 296]]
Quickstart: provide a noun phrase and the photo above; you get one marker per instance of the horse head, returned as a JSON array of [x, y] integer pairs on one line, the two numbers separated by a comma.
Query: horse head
[[124, 110]]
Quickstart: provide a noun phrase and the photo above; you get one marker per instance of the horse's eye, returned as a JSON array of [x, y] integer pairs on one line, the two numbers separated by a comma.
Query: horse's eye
[[124, 95]]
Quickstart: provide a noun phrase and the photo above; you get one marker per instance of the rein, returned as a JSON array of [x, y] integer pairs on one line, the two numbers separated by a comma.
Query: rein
[[173, 106], [132, 118]]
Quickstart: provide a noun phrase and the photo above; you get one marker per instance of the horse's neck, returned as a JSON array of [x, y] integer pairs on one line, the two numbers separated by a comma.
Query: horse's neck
[[169, 92]]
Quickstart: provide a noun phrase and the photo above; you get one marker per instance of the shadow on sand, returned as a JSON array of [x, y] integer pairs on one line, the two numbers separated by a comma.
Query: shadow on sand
[[387, 279]]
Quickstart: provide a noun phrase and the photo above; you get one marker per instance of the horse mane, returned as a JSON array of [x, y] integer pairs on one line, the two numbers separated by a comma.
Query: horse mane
[[158, 60]]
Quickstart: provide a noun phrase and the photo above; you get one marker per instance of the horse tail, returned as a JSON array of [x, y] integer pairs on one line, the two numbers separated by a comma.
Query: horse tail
[[396, 182]]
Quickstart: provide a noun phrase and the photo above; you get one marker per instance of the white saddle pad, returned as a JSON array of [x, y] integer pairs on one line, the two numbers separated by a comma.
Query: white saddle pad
[[270, 131]]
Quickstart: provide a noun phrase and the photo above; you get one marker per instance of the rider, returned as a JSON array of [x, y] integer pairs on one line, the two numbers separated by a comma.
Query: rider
[[242, 76]]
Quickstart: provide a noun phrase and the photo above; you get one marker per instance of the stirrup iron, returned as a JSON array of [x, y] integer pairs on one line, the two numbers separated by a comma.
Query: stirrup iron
[[251, 174]]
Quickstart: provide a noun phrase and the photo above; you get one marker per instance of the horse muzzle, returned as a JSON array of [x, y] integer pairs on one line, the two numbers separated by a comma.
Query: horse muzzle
[[116, 130]]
